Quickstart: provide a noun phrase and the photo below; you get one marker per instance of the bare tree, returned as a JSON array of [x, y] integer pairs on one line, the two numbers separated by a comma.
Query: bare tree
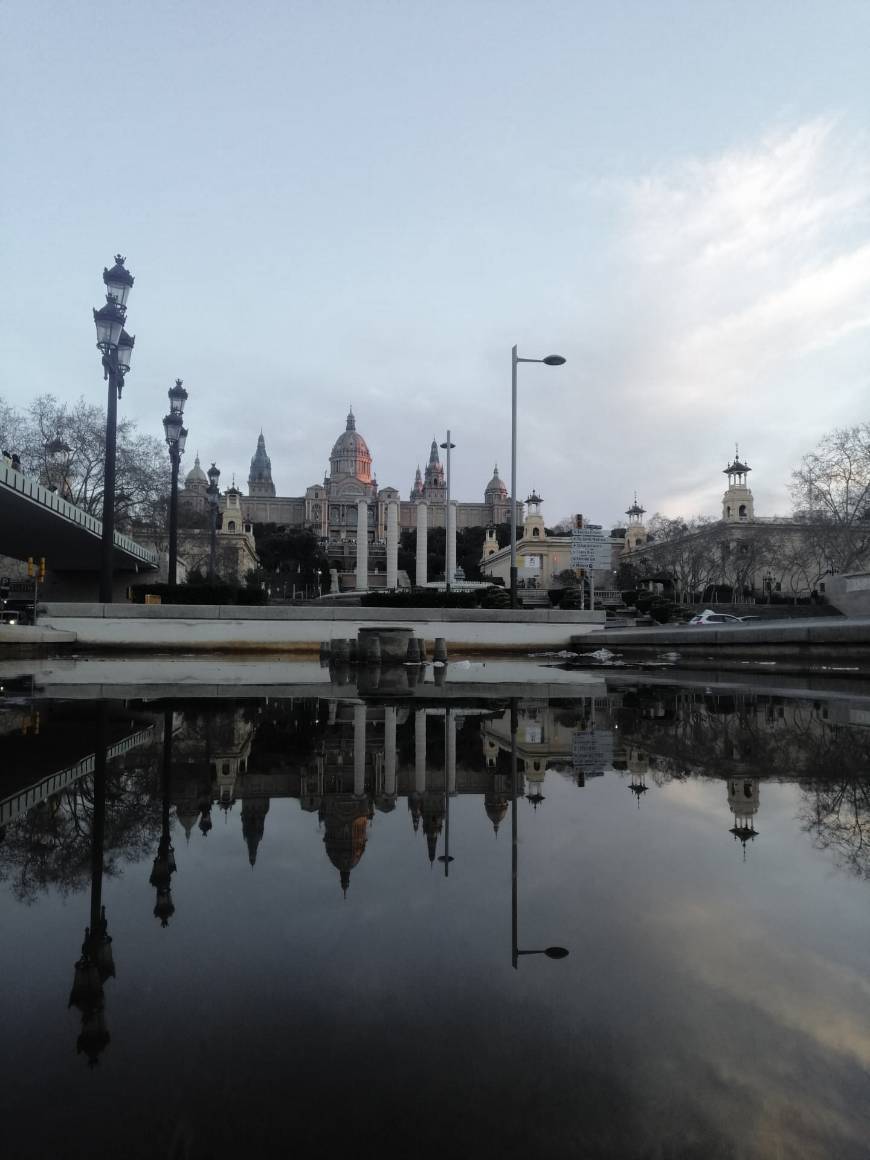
[[831, 494], [63, 445]]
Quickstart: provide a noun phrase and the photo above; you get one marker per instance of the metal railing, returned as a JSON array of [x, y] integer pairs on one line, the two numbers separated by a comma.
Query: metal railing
[[22, 484]]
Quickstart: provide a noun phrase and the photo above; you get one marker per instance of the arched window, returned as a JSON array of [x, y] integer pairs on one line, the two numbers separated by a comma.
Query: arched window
[[728, 512], [536, 531], [742, 511], [231, 526]]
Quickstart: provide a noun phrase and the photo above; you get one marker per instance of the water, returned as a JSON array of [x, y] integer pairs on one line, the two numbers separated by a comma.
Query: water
[[312, 976]]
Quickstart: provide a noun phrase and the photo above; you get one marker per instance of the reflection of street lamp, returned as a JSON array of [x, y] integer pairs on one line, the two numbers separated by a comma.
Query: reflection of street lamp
[[164, 863], [116, 346], [176, 436], [445, 858], [552, 360], [550, 952], [96, 963], [213, 494]]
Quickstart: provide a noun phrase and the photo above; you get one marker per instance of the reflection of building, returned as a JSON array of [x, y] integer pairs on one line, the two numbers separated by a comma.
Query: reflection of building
[[743, 801]]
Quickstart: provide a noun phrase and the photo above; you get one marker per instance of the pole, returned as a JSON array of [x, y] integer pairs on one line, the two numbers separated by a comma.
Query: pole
[[175, 457], [110, 363], [514, 834], [513, 513], [447, 553], [212, 548]]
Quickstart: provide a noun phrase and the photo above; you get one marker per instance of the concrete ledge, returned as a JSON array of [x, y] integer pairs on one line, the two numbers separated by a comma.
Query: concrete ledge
[[310, 612], [175, 628]]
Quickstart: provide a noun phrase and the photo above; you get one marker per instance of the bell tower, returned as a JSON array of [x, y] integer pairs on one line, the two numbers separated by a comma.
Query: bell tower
[[533, 524], [737, 502]]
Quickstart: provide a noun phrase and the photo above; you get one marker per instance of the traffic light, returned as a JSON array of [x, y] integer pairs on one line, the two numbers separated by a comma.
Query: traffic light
[[30, 566], [42, 569]]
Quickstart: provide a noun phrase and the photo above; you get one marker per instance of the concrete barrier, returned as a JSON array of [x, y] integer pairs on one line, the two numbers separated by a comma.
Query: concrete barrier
[[230, 628]]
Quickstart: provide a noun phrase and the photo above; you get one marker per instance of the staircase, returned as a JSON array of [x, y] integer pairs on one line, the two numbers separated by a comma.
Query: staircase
[[534, 598]]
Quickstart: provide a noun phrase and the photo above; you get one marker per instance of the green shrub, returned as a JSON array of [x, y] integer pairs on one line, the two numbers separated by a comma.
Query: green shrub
[[216, 593]]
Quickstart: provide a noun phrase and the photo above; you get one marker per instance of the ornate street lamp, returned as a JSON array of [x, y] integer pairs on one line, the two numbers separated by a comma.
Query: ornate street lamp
[[116, 347], [551, 360], [213, 494], [176, 436]]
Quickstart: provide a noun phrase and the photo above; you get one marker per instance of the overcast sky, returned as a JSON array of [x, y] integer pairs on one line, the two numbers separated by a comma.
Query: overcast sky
[[370, 202]]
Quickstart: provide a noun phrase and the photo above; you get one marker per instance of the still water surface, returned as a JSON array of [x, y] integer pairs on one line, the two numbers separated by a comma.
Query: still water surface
[[287, 964]]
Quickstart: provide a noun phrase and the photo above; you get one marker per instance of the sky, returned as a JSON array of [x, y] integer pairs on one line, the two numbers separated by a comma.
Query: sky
[[334, 203]]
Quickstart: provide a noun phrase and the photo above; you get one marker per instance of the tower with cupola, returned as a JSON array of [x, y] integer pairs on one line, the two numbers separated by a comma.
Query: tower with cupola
[[737, 502]]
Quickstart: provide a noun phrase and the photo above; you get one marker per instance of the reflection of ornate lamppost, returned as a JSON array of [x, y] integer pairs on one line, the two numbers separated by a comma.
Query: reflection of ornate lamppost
[[176, 436], [213, 494], [96, 963], [164, 863], [550, 952], [116, 346]]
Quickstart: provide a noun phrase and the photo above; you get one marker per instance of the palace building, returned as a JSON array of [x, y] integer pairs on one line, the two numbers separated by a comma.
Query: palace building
[[330, 508]]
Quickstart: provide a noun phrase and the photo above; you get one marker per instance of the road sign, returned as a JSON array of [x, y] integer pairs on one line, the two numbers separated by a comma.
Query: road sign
[[589, 549]]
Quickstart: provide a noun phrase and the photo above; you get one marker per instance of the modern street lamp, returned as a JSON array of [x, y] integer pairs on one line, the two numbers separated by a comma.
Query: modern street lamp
[[550, 952], [448, 447], [176, 437], [213, 494], [551, 360], [116, 346]]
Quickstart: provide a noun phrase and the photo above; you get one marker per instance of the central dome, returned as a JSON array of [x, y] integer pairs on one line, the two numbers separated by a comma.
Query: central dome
[[350, 454]]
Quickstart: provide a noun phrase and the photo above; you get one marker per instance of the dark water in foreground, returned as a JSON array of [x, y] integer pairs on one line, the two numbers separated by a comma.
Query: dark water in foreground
[[293, 971]]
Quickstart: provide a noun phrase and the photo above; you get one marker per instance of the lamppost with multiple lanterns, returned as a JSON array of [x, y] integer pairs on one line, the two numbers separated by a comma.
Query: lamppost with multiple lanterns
[[116, 347], [551, 360], [176, 436], [213, 494]]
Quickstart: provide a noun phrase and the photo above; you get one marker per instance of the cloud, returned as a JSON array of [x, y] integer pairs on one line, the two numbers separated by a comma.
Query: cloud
[[741, 278]]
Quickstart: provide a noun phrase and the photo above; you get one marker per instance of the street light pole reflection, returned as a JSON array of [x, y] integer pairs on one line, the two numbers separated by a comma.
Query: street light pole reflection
[[550, 952]]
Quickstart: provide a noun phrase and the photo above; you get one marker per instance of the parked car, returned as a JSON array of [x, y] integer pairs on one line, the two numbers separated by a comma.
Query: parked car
[[10, 617], [708, 616]]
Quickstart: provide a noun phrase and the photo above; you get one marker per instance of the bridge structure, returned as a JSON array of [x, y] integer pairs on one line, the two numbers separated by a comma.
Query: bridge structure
[[13, 805], [37, 522]]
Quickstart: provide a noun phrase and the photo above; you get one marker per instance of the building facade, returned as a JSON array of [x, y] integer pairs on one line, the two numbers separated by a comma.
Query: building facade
[[330, 508]]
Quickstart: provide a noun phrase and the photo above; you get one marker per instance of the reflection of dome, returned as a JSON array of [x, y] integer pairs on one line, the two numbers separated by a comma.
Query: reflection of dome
[[196, 478], [350, 454], [496, 485], [346, 825], [496, 808]]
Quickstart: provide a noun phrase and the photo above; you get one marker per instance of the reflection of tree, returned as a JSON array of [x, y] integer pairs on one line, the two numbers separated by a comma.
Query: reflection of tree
[[50, 846], [837, 814]]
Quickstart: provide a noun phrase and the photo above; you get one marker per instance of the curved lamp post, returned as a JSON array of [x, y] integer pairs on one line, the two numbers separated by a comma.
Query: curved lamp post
[[551, 360], [176, 436], [116, 347], [550, 952], [213, 494]]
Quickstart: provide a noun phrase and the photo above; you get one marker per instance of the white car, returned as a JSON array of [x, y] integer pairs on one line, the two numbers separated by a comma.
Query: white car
[[708, 616]]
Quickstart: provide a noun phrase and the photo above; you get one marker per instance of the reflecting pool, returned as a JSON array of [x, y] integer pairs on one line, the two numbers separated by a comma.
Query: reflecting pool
[[238, 924]]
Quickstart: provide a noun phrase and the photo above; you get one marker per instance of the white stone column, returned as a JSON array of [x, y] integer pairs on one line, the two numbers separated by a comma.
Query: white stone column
[[451, 752], [390, 751], [450, 566], [359, 750], [362, 546], [392, 545], [422, 542], [420, 751]]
